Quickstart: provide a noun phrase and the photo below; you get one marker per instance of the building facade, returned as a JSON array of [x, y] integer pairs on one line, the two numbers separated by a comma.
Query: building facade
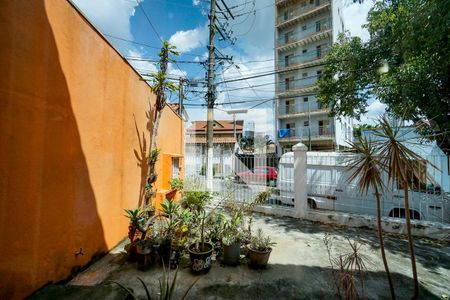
[[226, 134], [304, 32]]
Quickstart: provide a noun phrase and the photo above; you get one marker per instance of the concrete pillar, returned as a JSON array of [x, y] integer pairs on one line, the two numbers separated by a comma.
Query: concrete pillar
[[300, 178]]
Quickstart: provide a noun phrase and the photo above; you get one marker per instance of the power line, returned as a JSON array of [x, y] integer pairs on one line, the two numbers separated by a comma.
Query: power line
[[150, 22], [153, 27], [143, 44], [157, 60]]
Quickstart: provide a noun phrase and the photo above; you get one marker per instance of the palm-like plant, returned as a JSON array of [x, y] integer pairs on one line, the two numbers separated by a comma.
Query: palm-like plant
[[399, 161], [367, 169], [161, 84]]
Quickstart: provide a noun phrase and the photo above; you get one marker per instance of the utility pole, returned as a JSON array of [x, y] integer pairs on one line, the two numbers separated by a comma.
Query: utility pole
[[210, 97], [180, 97]]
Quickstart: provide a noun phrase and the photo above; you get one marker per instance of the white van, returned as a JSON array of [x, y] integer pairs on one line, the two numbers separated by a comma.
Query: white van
[[328, 188]]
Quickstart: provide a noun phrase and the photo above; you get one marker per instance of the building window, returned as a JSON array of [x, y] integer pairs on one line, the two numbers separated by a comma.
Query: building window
[[286, 15], [303, 3], [324, 127], [304, 75], [175, 167], [319, 74], [311, 1], [317, 2], [318, 26], [303, 27], [287, 60], [287, 84], [291, 127], [289, 106], [319, 51], [306, 123], [287, 36]]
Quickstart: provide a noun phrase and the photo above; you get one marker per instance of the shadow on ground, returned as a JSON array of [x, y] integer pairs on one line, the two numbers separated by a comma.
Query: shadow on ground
[[275, 282]]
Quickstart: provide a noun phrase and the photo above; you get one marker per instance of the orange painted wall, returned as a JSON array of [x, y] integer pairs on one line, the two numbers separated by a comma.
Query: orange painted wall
[[68, 143], [170, 148]]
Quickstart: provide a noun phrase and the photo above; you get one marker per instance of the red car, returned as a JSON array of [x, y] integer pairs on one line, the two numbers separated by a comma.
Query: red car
[[261, 174]]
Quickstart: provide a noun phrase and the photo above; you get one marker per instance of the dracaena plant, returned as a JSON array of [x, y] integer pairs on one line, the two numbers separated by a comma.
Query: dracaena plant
[[260, 242], [366, 168]]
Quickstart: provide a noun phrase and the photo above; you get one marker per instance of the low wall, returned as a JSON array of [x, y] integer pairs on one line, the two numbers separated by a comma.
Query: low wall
[[432, 230]]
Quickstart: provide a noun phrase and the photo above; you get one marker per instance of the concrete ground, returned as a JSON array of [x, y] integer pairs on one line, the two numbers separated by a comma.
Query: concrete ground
[[298, 269]]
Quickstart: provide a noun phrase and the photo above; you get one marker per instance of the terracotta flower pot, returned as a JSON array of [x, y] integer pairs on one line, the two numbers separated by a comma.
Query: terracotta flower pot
[[258, 259], [201, 258], [171, 195]]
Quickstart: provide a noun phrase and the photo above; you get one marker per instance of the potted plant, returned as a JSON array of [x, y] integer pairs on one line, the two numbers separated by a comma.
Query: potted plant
[[234, 232], [231, 250], [259, 250], [144, 254], [231, 240], [176, 184], [166, 225], [137, 218], [201, 251]]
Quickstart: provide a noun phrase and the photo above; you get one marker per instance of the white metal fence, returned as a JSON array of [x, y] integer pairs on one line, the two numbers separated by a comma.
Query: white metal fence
[[328, 188]]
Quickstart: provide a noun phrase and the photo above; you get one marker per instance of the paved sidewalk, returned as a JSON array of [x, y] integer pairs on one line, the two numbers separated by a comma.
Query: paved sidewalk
[[298, 269]]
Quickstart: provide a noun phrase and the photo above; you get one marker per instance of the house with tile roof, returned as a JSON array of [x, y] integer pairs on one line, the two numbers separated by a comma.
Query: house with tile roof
[[226, 135]]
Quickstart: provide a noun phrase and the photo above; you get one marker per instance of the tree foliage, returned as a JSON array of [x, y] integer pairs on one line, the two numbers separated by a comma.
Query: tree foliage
[[405, 64]]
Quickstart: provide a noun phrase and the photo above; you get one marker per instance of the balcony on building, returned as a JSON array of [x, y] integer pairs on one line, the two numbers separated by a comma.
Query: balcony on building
[[303, 60], [293, 110], [289, 135], [317, 132], [302, 11], [313, 133], [314, 32], [296, 86]]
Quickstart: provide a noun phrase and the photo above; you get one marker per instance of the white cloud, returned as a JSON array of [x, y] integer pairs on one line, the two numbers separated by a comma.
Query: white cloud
[[254, 31], [375, 109], [187, 40], [355, 15], [174, 71], [195, 2], [143, 67], [110, 16]]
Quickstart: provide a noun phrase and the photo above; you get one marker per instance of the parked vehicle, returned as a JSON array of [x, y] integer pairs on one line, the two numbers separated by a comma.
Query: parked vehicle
[[328, 188], [260, 174]]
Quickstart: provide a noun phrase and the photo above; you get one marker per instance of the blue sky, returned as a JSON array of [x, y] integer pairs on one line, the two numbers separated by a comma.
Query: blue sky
[[184, 24]]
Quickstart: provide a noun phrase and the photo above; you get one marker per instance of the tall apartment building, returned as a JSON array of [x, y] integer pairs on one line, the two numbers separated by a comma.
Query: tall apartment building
[[305, 30]]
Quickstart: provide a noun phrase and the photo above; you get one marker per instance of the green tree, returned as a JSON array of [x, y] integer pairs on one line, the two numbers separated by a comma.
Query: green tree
[[247, 143], [357, 131], [405, 64]]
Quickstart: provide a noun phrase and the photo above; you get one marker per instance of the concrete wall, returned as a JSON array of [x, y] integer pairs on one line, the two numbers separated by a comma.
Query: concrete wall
[[67, 142]]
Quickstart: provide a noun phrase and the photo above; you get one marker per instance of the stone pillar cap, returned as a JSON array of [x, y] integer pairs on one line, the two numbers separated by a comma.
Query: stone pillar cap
[[299, 147]]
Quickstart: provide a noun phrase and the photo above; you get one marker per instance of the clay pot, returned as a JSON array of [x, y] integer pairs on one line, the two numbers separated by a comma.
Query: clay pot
[[258, 259]]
